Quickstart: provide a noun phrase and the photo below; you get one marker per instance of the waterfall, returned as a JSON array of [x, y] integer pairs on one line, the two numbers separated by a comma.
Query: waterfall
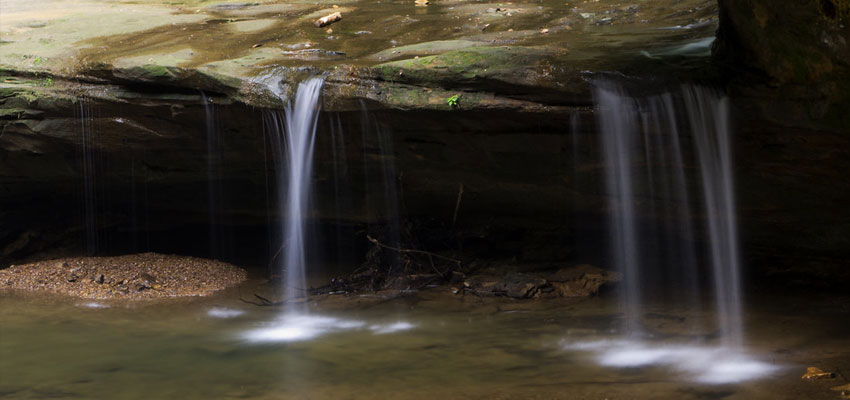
[[649, 189], [293, 135], [219, 242], [378, 144], [213, 179], [708, 115], [89, 174], [343, 245], [618, 123]]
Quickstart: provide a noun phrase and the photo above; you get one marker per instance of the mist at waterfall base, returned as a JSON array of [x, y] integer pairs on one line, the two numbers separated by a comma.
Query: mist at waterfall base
[[649, 144]]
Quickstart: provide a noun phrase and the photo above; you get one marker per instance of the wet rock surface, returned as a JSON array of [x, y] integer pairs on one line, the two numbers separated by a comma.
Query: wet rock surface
[[795, 53], [231, 47], [578, 281], [817, 373], [137, 276]]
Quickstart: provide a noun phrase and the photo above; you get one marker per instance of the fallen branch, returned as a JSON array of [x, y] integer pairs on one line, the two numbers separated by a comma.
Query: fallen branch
[[457, 204], [328, 19], [412, 251], [266, 302], [276, 254], [431, 260]]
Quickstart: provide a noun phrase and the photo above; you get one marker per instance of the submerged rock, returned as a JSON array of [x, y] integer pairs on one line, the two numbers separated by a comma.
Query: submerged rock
[[231, 6], [579, 281], [520, 286], [813, 373], [313, 54]]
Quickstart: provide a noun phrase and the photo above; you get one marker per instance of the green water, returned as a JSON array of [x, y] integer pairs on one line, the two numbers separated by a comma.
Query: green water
[[457, 347]]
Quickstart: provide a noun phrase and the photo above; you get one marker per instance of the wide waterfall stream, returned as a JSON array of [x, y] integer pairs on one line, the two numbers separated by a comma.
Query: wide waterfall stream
[[664, 258], [645, 167]]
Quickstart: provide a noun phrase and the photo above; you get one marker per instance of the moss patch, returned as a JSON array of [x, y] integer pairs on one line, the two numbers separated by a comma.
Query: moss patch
[[464, 65]]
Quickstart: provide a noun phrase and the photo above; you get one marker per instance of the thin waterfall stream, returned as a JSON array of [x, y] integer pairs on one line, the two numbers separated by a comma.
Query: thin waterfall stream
[[215, 189], [708, 115], [300, 139], [89, 172], [293, 135]]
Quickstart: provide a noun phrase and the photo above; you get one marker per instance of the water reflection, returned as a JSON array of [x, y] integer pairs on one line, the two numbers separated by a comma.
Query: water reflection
[[429, 344]]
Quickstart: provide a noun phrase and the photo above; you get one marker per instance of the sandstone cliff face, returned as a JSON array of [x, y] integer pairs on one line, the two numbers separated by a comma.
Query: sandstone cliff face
[[791, 60], [531, 183], [790, 41]]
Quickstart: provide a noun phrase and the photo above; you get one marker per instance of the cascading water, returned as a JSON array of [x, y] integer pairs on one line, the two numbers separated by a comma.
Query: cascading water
[[378, 142], [89, 172], [342, 200], [215, 191], [675, 200], [710, 127], [658, 251], [618, 123], [293, 136], [650, 184], [391, 191]]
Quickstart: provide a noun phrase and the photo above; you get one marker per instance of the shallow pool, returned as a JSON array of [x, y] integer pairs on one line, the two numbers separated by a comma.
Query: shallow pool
[[429, 344]]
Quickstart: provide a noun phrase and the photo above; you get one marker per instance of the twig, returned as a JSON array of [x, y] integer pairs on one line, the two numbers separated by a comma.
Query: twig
[[328, 19], [264, 300], [400, 250], [431, 260], [457, 204], [277, 253], [253, 303]]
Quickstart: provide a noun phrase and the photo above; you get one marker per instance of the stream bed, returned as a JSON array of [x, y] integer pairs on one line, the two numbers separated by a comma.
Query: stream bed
[[427, 344]]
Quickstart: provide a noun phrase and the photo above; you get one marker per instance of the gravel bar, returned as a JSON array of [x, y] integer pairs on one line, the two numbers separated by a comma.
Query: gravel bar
[[135, 276]]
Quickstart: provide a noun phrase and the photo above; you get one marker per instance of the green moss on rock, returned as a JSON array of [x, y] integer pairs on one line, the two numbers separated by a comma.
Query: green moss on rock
[[466, 65]]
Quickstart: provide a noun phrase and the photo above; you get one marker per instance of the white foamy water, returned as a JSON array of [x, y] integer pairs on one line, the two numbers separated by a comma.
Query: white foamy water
[[391, 328], [308, 327], [300, 327], [704, 364], [220, 312], [93, 304]]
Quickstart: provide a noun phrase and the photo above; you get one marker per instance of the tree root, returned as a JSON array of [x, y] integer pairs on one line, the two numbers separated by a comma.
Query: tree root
[[412, 251]]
